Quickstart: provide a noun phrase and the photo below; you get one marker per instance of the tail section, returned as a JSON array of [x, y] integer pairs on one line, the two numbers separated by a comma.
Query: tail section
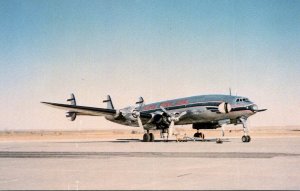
[[109, 102], [140, 103], [71, 115], [72, 99]]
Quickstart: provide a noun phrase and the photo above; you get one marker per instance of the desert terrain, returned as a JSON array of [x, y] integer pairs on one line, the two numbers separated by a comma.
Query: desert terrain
[[136, 133], [118, 159]]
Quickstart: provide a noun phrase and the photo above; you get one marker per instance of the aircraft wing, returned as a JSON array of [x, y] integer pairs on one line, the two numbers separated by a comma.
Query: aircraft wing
[[83, 110]]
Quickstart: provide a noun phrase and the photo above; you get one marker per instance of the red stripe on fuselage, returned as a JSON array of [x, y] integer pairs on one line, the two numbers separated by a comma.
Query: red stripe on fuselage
[[166, 104]]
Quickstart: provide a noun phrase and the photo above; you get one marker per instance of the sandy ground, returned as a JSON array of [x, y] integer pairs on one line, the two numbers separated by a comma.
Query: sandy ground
[[119, 160]]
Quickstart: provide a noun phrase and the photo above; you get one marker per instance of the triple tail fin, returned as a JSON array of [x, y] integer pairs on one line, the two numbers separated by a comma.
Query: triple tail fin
[[109, 102], [72, 115]]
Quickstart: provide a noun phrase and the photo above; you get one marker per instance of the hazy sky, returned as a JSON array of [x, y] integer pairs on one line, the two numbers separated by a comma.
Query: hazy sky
[[155, 49]]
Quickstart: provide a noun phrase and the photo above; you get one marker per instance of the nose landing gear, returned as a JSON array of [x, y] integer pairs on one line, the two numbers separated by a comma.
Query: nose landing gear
[[245, 138]]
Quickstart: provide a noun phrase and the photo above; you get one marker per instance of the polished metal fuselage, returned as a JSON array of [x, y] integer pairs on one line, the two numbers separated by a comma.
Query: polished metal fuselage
[[199, 109]]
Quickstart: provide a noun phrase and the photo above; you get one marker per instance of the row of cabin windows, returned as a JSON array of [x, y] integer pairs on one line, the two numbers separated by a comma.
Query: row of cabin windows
[[242, 100]]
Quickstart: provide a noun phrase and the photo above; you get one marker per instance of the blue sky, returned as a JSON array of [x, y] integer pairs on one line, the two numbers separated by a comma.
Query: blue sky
[[156, 49]]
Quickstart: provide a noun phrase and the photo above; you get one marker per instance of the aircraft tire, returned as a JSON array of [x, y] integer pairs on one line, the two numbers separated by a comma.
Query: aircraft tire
[[244, 139], [196, 135], [151, 137], [146, 137], [219, 141], [248, 138]]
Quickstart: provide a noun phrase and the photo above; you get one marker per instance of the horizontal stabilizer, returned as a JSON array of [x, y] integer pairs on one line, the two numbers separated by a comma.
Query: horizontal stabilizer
[[83, 110]]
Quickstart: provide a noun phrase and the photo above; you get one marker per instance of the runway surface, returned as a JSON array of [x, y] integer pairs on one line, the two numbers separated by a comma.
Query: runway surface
[[264, 163]]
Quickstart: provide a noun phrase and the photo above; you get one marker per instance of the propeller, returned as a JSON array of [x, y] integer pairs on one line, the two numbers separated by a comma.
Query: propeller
[[140, 122], [136, 112], [172, 118]]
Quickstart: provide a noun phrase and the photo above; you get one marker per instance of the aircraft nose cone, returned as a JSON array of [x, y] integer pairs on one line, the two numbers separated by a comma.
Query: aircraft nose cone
[[254, 107]]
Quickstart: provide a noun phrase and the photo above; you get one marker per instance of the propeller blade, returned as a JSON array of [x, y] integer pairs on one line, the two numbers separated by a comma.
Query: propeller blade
[[223, 130], [182, 114], [171, 128], [164, 110], [140, 122], [173, 118]]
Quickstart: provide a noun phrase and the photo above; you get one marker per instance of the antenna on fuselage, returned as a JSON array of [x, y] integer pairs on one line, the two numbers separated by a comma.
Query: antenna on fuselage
[[230, 91]]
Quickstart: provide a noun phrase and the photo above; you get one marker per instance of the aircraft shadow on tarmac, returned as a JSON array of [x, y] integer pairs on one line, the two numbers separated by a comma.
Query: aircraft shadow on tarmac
[[161, 140], [140, 140]]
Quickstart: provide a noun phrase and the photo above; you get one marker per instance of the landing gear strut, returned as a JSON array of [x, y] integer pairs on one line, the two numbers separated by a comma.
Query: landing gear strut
[[245, 138], [164, 134]]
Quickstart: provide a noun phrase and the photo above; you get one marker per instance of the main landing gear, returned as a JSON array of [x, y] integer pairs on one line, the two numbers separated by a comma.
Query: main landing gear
[[148, 137]]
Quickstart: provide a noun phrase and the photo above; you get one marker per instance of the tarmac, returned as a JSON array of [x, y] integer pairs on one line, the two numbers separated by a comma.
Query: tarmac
[[264, 163]]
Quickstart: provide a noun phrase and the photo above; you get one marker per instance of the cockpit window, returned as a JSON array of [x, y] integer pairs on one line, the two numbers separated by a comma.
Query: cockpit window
[[242, 100]]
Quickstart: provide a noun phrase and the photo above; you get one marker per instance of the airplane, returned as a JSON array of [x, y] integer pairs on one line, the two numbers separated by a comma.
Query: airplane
[[203, 112]]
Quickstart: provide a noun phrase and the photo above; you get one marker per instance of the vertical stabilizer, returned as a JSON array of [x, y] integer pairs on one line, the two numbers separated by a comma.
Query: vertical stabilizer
[[72, 100], [71, 115], [141, 102], [109, 102]]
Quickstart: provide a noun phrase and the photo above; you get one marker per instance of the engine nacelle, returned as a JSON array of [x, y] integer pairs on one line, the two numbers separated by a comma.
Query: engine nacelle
[[224, 107], [161, 121]]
